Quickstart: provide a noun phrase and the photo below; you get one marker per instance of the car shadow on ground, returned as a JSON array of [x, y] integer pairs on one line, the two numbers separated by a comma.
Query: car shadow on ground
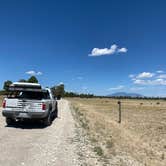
[[28, 124]]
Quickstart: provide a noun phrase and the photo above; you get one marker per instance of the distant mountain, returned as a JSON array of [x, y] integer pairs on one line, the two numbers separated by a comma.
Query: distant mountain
[[125, 94]]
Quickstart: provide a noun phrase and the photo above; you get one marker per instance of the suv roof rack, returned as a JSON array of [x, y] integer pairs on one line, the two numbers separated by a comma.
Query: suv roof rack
[[24, 86]]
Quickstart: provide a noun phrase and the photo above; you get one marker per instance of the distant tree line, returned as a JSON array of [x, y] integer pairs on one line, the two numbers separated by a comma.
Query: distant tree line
[[82, 95], [59, 91], [129, 97]]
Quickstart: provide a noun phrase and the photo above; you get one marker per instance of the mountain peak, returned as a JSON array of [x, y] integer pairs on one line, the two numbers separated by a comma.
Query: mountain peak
[[124, 94]]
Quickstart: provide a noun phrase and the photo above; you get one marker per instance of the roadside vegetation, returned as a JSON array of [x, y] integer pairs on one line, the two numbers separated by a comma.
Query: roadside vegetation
[[139, 140], [1, 100]]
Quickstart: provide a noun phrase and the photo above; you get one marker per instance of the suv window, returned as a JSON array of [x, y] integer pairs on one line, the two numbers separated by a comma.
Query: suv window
[[47, 95], [30, 95]]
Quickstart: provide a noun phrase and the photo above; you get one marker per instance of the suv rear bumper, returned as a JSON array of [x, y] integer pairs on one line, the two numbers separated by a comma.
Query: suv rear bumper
[[24, 115]]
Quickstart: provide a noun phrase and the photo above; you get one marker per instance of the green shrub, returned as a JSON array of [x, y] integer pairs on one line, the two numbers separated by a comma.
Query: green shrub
[[98, 150]]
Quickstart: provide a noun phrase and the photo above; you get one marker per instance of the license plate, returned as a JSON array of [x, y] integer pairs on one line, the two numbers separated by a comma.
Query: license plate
[[23, 115]]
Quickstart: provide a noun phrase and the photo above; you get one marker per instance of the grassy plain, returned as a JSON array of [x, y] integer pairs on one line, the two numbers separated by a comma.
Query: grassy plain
[[139, 140]]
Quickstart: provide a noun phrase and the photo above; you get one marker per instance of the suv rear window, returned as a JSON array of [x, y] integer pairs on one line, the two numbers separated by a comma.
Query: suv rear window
[[30, 95]]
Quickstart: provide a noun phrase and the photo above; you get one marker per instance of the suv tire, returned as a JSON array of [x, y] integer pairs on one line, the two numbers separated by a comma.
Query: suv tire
[[10, 121], [47, 121]]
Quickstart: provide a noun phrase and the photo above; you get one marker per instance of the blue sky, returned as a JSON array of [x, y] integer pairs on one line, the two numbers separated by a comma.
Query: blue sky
[[97, 46]]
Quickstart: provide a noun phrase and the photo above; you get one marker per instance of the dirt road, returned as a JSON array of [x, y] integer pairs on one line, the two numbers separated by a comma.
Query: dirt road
[[31, 144]]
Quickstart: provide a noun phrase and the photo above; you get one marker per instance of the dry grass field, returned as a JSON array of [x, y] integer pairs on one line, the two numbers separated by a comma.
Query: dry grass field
[[139, 140]]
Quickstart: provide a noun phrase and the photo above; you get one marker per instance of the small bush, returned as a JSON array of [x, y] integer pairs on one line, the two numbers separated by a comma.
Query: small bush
[[98, 150]]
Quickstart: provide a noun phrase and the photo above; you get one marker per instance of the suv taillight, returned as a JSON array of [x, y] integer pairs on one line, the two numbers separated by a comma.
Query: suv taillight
[[43, 106], [4, 104]]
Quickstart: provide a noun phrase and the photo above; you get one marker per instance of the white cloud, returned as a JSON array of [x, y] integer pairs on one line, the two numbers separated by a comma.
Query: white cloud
[[61, 83], [150, 82], [33, 73], [39, 73], [122, 50], [159, 82], [162, 76], [145, 75], [116, 88], [107, 51], [160, 71], [139, 82]]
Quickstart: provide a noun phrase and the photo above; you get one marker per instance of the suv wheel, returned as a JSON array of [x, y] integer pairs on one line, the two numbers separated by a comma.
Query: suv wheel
[[55, 113], [47, 121], [10, 121]]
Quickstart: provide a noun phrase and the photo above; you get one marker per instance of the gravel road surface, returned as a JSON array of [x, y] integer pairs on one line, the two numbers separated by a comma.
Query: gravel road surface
[[32, 144]]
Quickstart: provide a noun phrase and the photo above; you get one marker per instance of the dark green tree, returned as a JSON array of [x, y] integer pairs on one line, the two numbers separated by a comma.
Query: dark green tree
[[22, 80], [6, 85], [33, 79], [58, 90]]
